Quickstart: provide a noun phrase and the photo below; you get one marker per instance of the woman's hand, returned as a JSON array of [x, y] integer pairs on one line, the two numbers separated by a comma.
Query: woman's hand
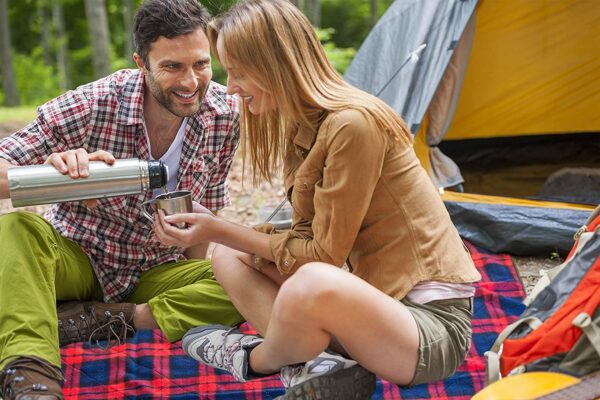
[[199, 208], [200, 224]]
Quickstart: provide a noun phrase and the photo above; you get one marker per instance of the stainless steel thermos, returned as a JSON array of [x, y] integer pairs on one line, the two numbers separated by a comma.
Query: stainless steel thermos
[[43, 184]]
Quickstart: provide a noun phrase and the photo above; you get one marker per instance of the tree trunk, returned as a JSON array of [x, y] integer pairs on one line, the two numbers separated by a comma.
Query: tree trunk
[[314, 12], [64, 74], [128, 30], [95, 11], [374, 12], [11, 93], [44, 13]]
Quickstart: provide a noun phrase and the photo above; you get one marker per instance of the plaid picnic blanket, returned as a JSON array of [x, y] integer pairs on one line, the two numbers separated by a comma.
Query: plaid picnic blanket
[[149, 367]]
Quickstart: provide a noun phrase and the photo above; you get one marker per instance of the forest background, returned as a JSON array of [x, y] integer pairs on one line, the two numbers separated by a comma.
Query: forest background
[[50, 46]]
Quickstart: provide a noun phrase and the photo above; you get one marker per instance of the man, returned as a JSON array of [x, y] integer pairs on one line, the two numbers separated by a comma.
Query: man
[[100, 259]]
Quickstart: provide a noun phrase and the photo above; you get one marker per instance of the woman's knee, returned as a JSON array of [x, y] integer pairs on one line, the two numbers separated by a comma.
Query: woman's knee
[[226, 262], [312, 286]]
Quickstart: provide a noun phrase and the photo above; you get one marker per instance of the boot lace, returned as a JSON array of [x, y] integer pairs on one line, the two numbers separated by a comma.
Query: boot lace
[[112, 327]]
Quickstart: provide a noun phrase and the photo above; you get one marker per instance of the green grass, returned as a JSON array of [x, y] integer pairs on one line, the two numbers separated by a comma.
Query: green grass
[[10, 114]]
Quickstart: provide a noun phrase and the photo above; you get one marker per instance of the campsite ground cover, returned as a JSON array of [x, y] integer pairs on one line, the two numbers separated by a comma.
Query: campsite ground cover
[[247, 199]]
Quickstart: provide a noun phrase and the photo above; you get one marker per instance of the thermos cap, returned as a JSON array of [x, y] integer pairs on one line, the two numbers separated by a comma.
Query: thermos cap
[[158, 174]]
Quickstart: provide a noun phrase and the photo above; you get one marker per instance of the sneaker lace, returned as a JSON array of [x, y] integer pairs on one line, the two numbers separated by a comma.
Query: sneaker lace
[[289, 373], [9, 376], [223, 354]]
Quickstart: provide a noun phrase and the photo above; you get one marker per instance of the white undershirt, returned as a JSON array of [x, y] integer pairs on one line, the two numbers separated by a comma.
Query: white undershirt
[[424, 292], [170, 158]]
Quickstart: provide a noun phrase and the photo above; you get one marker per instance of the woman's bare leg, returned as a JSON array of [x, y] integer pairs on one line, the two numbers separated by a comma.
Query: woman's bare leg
[[252, 292], [320, 302]]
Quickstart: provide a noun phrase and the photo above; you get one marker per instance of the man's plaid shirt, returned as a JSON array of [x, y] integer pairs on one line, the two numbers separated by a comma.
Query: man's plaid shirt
[[107, 115]]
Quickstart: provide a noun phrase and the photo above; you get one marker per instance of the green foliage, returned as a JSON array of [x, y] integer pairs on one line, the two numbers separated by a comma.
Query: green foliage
[[347, 22], [340, 58], [350, 19], [118, 61], [219, 74], [36, 81], [118, 33]]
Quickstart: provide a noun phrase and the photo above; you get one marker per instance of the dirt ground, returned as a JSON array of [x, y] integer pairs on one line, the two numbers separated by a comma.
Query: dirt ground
[[248, 199]]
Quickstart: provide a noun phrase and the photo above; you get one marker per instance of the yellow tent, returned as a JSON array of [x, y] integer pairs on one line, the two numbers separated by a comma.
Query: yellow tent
[[504, 98]]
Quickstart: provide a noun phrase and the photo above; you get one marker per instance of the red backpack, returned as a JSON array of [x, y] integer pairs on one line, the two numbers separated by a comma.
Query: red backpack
[[559, 331]]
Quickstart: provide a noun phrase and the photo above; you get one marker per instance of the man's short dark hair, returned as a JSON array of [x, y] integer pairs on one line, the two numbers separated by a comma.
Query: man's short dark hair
[[168, 18]]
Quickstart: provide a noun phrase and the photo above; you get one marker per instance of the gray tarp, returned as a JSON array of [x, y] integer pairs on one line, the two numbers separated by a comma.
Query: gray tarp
[[518, 230]]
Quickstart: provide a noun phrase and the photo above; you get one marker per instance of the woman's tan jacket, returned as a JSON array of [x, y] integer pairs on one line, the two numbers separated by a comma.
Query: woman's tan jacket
[[361, 198]]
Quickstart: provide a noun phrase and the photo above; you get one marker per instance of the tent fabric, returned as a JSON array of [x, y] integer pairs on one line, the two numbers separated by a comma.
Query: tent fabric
[[406, 54], [444, 172], [419, 39], [534, 69]]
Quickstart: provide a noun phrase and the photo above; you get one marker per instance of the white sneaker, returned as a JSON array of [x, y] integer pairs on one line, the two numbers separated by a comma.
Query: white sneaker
[[327, 377], [221, 347]]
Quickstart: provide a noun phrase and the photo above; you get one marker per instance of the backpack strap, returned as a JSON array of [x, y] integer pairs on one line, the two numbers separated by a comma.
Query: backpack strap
[[492, 371], [593, 216], [584, 321]]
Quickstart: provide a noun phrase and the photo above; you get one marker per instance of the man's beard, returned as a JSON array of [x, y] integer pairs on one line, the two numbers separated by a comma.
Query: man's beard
[[162, 97]]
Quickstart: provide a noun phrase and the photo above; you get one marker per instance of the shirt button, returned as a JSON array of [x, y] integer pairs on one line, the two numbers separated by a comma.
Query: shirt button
[[256, 260], [286, 263]]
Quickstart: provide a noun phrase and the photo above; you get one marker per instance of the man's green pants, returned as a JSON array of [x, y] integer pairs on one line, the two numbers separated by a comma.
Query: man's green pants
[[38, 267]]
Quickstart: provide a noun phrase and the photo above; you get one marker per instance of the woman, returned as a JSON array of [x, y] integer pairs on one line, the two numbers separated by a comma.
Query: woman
[[402, 307]]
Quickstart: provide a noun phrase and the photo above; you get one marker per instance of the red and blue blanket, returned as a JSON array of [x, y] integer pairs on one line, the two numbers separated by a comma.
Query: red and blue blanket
[[149, 367]]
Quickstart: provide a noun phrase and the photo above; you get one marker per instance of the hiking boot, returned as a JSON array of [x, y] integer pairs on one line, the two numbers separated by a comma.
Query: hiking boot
[[30, 378], [221, 347], [94, 321], [327, 377]]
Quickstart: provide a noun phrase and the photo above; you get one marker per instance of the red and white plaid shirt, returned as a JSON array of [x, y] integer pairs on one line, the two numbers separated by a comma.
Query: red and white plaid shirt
[[107, 115]]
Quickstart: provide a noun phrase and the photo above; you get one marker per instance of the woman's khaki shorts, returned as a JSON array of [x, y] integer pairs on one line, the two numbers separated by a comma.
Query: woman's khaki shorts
[[444, 337]]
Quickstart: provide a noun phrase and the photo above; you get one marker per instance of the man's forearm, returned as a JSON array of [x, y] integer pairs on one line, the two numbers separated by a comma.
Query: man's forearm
[[4, 193]]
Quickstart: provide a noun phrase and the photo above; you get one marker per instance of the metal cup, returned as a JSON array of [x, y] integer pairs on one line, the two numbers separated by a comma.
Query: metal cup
[[170, 203]]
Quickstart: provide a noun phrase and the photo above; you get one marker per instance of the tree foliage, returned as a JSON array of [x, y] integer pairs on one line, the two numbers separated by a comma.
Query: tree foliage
[[34, 40]]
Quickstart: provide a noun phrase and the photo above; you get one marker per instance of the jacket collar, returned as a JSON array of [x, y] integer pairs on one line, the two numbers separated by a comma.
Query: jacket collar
[[305, 135]]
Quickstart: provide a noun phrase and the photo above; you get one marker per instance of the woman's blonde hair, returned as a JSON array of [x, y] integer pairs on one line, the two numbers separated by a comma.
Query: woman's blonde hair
[[273, 44]]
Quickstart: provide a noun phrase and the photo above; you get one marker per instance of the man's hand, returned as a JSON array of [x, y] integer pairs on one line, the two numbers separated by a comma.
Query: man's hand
[[76, 164]]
